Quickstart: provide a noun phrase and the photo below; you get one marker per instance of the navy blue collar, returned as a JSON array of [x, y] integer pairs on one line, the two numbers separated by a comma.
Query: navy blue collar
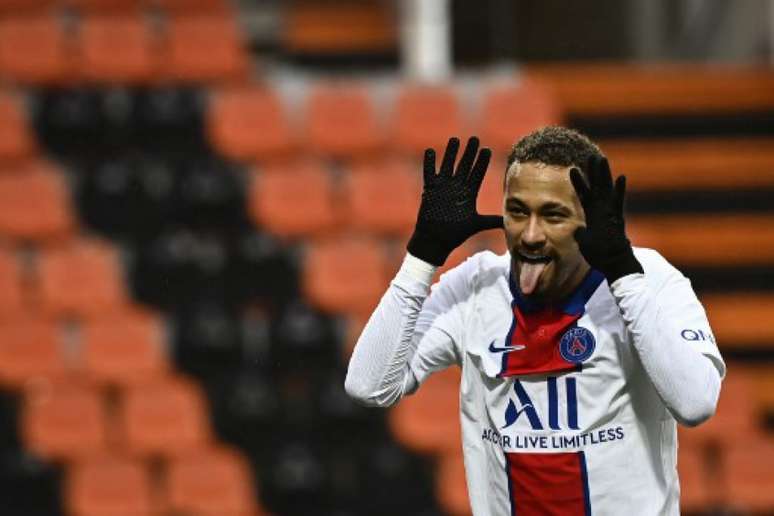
[[573, 304]]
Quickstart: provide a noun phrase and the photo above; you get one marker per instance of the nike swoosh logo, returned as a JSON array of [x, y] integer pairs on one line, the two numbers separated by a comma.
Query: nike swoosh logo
[[495, 349]]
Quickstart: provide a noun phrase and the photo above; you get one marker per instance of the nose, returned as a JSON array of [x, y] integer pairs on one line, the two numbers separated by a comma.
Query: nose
[[533, 237]]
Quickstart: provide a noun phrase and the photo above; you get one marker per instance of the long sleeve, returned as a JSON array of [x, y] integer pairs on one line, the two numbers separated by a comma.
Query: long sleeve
[[672, 337], [385, 365]]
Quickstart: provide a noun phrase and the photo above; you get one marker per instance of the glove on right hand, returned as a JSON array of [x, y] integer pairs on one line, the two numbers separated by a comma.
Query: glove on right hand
[[447, 215]]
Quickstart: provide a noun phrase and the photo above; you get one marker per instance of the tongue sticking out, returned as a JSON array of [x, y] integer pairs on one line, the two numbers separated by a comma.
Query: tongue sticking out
[[529, 276]]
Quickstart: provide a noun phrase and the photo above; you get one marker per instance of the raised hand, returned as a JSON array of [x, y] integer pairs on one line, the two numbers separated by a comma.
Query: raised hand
[[603, 240], [447, 215]]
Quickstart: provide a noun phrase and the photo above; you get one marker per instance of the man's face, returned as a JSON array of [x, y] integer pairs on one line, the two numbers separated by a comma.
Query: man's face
[[541, 212]]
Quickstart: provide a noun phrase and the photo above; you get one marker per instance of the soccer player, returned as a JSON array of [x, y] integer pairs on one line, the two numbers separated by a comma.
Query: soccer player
[[579, 353]]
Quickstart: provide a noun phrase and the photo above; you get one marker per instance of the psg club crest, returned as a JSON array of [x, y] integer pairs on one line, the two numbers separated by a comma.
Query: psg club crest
[[577, 345]]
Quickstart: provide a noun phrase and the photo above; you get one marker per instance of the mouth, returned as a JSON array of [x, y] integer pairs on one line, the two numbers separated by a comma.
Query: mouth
[[533, 258]]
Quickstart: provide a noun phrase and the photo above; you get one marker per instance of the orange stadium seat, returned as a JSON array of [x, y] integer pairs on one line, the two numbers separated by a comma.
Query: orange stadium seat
[[80, 279], [165, 418], [204, 48], [347, 275], [698, 484], [429, 420], [36, 204], [708, 240], [249, 123], [747, 475], [383, 196], [426, 117], [211, 482], [451, 488], [109, 485], [15, 6], [34, 49], [293, 200], [741, 319], [16, 137], [126, 348], [30, 350], [64, 421], [341, 122], [189, 6], [12, 293], [117, 49], [510, 112], [118, 7]]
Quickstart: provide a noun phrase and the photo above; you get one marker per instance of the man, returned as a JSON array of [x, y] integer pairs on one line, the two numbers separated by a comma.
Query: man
[[578, 352]]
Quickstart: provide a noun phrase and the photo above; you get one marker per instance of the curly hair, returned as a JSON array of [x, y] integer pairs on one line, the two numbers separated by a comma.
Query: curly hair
[[554, 145]]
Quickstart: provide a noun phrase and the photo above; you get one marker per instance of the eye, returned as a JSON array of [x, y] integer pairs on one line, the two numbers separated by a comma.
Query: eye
[[555, 216]]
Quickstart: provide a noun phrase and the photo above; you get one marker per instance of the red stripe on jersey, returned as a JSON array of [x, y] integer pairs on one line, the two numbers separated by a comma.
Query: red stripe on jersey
[[539, 332], [548, 484]]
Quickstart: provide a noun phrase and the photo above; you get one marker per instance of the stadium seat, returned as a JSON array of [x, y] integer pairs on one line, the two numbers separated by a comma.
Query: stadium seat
[[80, 279], [166, 418], [31, 6], [64, 421], [34, 49], [428, 421], [211, 482], [116, 49], [16, 138], [210, 193], [69, 121], [451, 487], [115, 7], [747, 475], [30, 485], [191, 6], [741, 320], [345, 28], [169, 119], [383, 196], [30, 350], [706, 240], [302, 338], [249, 124], [344, 275], [490, 196], [293, 200], [207, 338], [511, 112], [109, 485], [13, 299], [36, 204], [426, 117], [204, 48], [263, 270], [125, 348], [698, 482], [341, 122], [704, 164]]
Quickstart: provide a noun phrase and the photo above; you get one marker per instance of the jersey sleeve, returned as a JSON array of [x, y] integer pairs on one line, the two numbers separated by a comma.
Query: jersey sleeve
[[409, 335], [662, 314]]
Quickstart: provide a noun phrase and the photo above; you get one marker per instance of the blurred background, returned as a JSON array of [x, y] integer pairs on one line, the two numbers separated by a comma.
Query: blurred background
[[201, 201]]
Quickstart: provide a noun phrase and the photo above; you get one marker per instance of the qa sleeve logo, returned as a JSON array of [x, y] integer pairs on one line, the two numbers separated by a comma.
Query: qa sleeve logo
[[577, 345]]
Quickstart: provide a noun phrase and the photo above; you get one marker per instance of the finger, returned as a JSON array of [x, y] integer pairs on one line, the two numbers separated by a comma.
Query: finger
[[466, 162], [620, 192], [429, 166], [479, 169], [447, 165], [486, 222], [579, 183], [604, 178]]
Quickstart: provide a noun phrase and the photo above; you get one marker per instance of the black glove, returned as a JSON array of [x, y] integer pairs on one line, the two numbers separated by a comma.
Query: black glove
[[447, 214], [603, 241]]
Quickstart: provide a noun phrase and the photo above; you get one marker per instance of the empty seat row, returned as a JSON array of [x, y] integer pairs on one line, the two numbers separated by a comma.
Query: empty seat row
[[42, 50], [341, 120], [15, 7], [210, 481], [76, 279]]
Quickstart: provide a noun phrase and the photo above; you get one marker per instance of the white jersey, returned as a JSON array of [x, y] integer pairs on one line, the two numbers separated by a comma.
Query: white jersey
[[564, 410]]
